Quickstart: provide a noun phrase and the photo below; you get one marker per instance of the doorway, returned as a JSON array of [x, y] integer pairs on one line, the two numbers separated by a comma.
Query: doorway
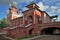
[[30, 31]]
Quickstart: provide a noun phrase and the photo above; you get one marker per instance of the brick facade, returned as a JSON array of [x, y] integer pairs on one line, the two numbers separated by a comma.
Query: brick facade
[[28, 24]]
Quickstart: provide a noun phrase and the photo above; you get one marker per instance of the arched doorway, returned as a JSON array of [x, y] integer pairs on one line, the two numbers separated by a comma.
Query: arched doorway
[[51, 31], [30, 31]]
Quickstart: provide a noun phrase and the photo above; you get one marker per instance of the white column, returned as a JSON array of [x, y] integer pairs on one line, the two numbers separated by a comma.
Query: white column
[[23, 19], [34, 17]]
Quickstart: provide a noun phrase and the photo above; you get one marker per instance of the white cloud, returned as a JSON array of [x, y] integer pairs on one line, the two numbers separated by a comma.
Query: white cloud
[[7, 2], [42, 6], [58, 3], [52, 11], [25, 9], [54, 7], [58, 11], [7, 11], [51, 1]]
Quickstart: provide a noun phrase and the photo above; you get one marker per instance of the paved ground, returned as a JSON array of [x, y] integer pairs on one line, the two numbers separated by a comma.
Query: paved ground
[[2, 37], [41, 37], [48, 37]]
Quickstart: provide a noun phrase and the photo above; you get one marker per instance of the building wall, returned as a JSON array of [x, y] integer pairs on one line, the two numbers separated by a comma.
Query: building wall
[[38, 17], [17, 22], [16, 32], [45, 18], [26, 15], [48, 19]]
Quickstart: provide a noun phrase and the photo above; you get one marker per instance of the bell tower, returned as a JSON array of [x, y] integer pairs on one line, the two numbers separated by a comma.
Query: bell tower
[[33, 14]]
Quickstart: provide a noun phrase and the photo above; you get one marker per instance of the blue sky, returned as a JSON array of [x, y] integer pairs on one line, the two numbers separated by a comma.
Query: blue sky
[[52, 7]]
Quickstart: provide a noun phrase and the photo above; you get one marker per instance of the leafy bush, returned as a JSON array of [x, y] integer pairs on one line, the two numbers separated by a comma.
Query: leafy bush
[[4, 23]]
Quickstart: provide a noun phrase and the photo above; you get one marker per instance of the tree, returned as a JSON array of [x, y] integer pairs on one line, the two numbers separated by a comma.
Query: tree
[[4, 23]]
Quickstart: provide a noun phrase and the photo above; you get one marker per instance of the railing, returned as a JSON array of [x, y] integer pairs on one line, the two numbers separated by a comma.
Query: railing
[[28, 25], [50, 24], [13, 27], [20, 26]]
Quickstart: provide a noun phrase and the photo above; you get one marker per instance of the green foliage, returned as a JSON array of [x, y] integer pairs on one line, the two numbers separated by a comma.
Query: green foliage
[[26, 37], [4, 23]]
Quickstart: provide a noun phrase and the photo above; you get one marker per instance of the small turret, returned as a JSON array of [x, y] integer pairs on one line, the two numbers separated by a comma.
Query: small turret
[[20, 12], [12, 11]]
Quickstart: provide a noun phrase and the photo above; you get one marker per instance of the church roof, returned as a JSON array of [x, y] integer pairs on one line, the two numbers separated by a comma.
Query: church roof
[[45, 12], [32, 9], [32, 4], [17, 18], [54, 16]]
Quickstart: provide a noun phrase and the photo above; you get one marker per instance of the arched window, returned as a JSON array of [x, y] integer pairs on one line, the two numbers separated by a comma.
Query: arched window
[[39, 18], [29, 18]]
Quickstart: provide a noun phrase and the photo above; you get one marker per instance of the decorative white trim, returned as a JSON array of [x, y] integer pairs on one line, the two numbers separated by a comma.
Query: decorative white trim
[[23, 19], [33, 5], [13, 27], [28, 25], [34, 17]]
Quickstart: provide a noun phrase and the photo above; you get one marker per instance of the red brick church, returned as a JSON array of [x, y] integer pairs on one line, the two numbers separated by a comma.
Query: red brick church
[[30, 22]]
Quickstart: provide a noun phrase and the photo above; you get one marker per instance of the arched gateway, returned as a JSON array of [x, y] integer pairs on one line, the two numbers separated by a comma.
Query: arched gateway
[[51, 31]]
